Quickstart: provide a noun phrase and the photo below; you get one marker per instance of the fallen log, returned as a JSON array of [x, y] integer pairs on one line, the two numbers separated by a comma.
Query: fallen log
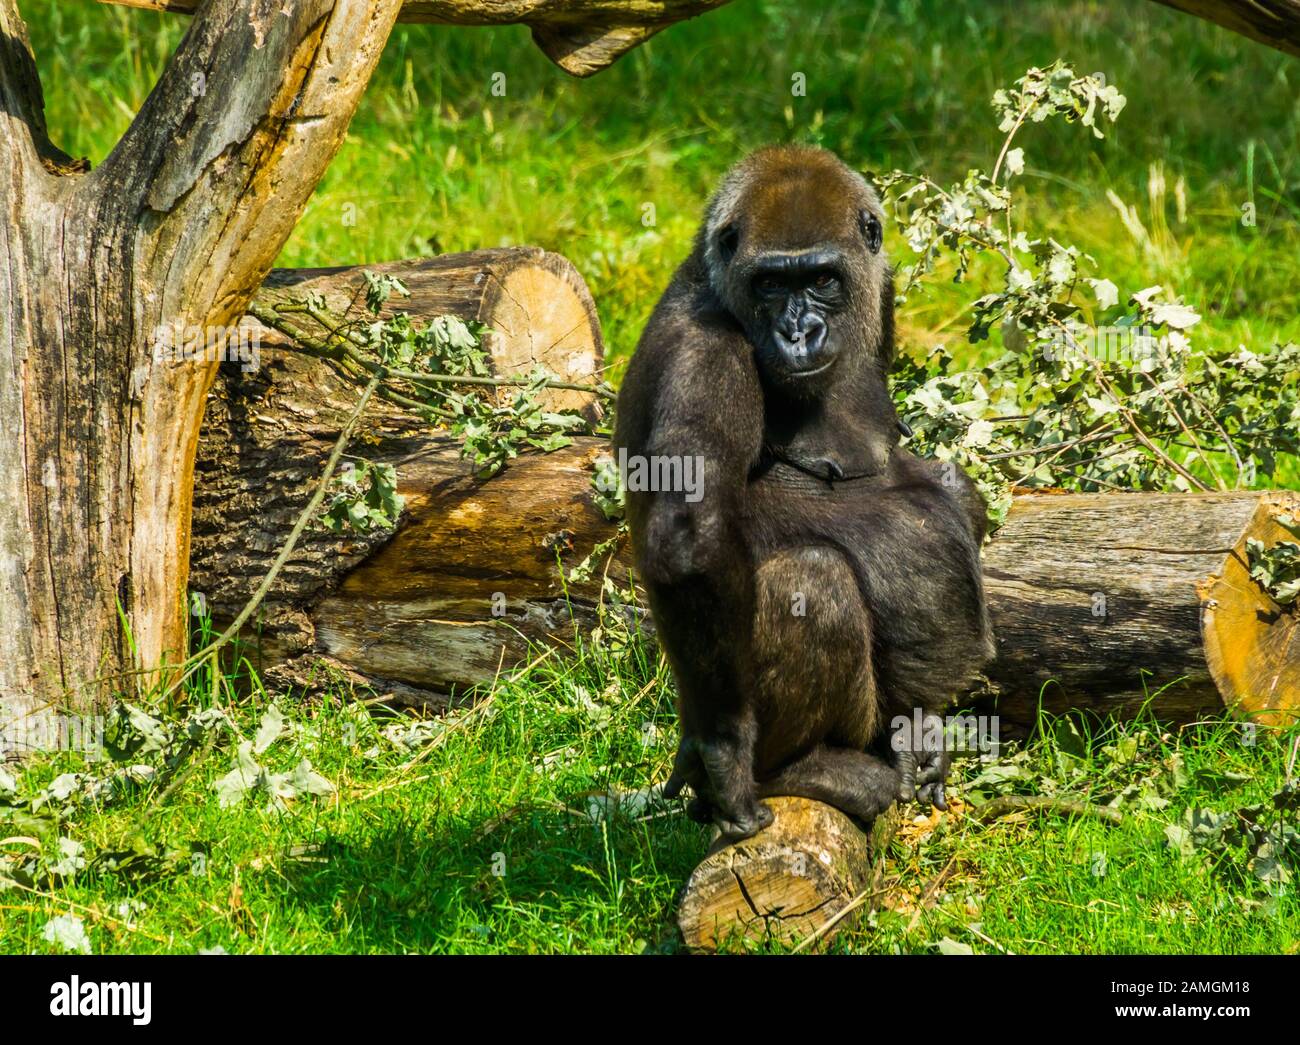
[[805, 877], [405, 613], [1099, 601], [1111, 601]]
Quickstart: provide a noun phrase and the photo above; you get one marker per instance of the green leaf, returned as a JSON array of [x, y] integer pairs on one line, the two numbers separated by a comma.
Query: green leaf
[[241, 779], [68, 932], [1106, 292], [269, 730], [1179, 839]]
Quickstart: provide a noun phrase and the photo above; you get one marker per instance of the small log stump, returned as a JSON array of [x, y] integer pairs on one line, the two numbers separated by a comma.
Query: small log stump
[[786, 882]]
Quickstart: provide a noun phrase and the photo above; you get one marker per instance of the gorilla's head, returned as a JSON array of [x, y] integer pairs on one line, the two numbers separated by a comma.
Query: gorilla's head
[[792, 244]]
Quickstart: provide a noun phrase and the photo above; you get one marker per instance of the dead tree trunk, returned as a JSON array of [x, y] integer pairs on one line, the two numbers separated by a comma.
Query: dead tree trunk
[[105, 270]]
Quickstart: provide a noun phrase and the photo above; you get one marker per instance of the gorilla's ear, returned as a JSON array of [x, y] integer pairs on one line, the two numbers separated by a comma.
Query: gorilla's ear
[[871, 231], [728, 241]]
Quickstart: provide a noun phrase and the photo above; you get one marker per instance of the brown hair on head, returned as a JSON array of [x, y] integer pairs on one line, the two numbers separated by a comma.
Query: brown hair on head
[[789, 196]]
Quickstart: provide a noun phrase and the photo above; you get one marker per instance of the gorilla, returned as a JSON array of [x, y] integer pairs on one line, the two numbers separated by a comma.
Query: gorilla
[[817, 580]]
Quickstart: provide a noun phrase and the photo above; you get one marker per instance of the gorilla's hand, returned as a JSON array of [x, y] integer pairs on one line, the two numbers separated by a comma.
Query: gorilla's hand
[[923, 762]]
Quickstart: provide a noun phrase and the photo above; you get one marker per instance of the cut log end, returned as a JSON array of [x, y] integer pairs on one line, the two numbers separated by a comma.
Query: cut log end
[[540, 313], [791, 881], [1252, 645]]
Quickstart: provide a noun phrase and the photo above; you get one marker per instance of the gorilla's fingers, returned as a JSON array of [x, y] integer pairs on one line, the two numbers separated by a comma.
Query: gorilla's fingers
[[907, 778]]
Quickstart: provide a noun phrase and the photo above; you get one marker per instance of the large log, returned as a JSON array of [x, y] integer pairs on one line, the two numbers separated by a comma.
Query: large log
[[1098, 600], [582, 37]]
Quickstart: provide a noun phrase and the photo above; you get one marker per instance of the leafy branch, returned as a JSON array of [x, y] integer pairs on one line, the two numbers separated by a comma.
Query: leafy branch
[[1128, 404], [439, 371]]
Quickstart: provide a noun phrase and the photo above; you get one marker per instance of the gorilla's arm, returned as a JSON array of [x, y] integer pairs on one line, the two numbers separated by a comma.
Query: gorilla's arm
[[692, 394]]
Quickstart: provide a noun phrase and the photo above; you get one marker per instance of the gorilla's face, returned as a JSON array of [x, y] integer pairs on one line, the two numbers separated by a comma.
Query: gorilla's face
[[797, 260], [798, 299]]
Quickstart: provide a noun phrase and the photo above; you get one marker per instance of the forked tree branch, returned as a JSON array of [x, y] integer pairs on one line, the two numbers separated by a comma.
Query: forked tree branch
[[22, 105]]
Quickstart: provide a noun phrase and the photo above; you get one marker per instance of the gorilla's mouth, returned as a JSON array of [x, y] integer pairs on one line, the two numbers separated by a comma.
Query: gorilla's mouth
[[799, 374]]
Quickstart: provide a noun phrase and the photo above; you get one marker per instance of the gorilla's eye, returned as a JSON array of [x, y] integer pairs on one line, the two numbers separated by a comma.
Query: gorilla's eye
[[871, 230], [768, 287], [826, 281]]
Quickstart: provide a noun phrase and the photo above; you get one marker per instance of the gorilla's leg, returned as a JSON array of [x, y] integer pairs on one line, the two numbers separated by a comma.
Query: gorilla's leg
[[815, 696], [813, 677], [855, 782]]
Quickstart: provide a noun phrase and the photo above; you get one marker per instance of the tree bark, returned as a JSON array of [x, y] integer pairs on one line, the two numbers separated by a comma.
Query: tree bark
[[1097, 599], [1100, 600], [582, 37], [1272, 22], [811, 872], [106, 269]]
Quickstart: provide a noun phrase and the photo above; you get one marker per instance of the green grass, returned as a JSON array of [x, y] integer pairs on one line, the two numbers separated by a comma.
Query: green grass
[[478, 841], [402, 857]]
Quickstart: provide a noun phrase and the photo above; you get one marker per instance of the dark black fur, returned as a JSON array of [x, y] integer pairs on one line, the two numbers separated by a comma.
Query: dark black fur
[[766, 358]]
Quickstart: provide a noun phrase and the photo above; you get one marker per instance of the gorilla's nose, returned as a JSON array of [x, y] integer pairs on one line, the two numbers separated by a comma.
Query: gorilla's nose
[[803, 340]]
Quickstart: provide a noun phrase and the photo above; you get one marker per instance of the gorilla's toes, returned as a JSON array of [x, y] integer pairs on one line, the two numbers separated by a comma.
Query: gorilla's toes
[[746, 824], [932, 795]]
